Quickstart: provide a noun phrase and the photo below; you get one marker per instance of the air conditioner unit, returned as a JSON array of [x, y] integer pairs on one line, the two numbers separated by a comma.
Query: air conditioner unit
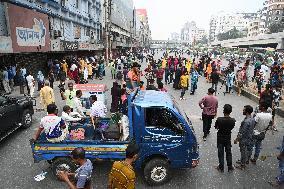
[[92, 41], [59, 33], [55, 34], [92, 36]]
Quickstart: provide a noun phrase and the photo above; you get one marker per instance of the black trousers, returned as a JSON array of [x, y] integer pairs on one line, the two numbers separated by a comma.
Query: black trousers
[[207, 122], [227, 147]]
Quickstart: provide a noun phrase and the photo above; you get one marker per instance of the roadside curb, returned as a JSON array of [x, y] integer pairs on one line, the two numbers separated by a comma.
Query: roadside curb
[[255, 98]]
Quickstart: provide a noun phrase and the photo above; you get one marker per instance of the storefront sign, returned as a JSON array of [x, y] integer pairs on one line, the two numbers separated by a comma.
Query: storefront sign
[[29, 30], [55, 45], [84, 46], [69, 46], [5, 44]]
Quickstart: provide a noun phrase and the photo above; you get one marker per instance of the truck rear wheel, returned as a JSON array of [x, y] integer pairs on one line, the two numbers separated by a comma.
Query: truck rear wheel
[[26, 119], [157, 172], [63, 164]]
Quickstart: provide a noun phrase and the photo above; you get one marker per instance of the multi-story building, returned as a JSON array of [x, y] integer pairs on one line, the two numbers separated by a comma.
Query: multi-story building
[[142, 31], [190, 33], [224, 22], [122, 24], [175, 36], [275, 11], [39, 28]]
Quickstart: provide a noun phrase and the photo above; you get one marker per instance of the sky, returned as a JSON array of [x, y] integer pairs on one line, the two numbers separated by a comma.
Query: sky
[[167, 16]]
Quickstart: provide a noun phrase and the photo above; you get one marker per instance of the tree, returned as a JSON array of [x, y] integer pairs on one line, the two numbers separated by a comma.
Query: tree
[[231, 34], [203, 41], [276, 27]]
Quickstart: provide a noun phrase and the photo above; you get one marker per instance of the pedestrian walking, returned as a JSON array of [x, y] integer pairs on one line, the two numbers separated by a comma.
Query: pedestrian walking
[[46, 95], [183, 84], [40, 80], [244, 137], [194, 80], [122, 174], [263, 120], [209, 106], [11, 75], [225, 125], [215, 79], [51, 78], [5, 81], [31, 84]]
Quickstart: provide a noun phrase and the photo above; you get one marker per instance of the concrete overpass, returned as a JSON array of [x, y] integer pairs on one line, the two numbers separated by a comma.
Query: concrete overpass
[[166, 43], [274, 40]]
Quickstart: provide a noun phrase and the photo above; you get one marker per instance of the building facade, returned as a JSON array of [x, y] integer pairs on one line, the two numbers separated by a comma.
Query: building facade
[[190, 33], [142, 29], [275, 12], [223, 22]]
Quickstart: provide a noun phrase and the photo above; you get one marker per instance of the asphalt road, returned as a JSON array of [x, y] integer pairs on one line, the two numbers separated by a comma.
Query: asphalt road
[[18, 169]]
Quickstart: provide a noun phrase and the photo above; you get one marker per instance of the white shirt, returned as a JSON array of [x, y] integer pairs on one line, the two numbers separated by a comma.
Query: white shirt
[[98, 109], [68, 118], [78, 106], [73, 67], [262, 120], [30, 79]]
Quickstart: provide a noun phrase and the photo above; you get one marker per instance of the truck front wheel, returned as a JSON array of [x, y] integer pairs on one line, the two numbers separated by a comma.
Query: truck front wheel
[[157, 172], [63, 164]]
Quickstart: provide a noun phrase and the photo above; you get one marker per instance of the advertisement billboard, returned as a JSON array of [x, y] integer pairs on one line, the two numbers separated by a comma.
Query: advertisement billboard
[[29, 30]]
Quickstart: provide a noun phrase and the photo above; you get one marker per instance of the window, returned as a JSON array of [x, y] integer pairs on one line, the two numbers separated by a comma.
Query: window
[[276, 18], [163, 118], [277, 12], [77, 3]]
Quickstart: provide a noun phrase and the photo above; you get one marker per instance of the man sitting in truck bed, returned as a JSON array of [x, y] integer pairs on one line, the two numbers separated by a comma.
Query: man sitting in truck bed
[[53, 126]]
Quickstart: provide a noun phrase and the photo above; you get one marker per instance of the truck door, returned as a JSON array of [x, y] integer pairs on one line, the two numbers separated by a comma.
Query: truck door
[[164, 133]]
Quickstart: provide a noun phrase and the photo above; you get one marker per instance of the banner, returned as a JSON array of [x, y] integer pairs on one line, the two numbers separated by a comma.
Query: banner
[[29, 30]]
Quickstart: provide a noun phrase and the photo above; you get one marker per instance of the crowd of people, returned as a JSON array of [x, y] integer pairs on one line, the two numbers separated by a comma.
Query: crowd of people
[[128, 74]]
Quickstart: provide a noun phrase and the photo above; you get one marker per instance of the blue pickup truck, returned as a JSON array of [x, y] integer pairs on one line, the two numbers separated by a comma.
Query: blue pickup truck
[[156, 123]]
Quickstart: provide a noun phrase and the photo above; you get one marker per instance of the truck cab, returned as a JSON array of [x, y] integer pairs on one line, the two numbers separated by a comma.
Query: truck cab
[[156, 123]]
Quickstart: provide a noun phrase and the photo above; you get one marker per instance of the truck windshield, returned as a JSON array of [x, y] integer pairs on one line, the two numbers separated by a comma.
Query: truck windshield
[[182, 112]]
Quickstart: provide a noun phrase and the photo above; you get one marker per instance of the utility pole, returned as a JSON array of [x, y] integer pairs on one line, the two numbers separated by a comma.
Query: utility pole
[[107, 5]]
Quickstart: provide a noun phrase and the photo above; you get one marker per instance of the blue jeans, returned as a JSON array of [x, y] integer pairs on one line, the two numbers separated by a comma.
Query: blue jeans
[[227, 148], [193, 87], [257, 147], [280, 178]]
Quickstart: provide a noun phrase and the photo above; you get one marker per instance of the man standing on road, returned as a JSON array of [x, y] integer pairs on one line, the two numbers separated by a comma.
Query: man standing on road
[[31, 84], [82, 175], [280, 178], [263, 120], [5, 81], [69, 95], [245, 137], [46, 95], [209, 105], [122, 174], [224, 125], [215, 79]]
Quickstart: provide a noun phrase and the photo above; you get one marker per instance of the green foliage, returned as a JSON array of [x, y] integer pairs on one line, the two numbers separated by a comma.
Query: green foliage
[[276, 27], [232, 34]]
